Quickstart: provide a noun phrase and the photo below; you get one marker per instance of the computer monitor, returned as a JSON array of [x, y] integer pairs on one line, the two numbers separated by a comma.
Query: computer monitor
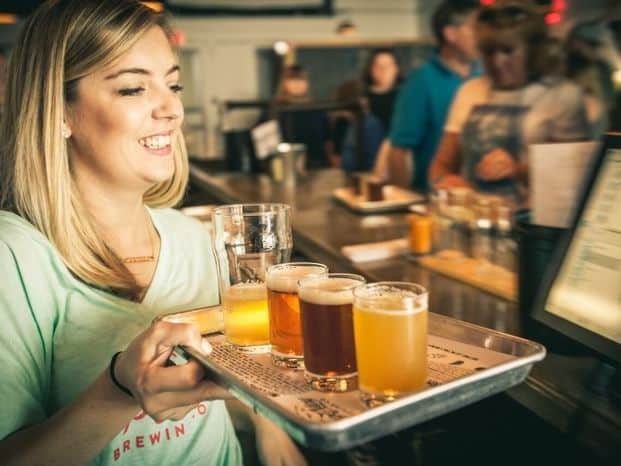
[[580, 296]]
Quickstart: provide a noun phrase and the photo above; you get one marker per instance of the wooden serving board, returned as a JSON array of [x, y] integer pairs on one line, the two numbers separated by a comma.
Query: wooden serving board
[[486, 276], [395, 199]]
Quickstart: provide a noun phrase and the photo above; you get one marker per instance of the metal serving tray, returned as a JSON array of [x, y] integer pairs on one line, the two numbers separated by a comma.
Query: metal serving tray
[[466, 363]]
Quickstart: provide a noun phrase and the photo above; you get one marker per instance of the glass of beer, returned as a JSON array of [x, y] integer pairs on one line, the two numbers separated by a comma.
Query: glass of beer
[[284, 310], [327, 330], [249, 238], [390, 331]]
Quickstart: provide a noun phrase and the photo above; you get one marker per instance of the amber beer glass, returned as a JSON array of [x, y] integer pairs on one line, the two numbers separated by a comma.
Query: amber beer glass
[[249, 238], [327, 330], [390, 331], [284, 310]]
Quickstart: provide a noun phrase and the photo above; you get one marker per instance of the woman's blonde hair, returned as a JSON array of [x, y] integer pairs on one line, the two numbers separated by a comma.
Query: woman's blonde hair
[[63, 41]]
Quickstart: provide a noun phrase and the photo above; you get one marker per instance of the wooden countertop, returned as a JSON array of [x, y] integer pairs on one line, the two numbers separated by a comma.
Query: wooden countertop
[[321, 227]]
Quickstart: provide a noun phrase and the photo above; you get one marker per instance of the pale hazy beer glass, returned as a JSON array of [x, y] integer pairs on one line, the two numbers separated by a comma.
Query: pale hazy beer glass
[[249, 238], [390, 331], [327, 330], [284, 310]]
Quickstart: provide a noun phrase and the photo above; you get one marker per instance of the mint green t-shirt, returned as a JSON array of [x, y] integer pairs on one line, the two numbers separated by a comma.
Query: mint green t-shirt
[[57, 334]]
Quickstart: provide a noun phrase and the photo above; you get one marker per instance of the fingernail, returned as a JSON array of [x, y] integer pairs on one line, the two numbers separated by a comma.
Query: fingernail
[[206, 346]]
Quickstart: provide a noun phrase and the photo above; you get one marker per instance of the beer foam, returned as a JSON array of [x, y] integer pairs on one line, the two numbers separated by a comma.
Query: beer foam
[[391, 311], [330, 292], [247, 292], [285, 280], [394, 304]]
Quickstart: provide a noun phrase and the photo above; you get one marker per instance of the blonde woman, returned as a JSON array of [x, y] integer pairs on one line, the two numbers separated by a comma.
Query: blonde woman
[[91, 157]]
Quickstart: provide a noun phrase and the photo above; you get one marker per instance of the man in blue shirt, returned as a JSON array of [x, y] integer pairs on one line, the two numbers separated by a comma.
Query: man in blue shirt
[[426, 96]]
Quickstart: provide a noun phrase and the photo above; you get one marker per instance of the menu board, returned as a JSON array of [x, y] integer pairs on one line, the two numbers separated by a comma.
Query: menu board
[[587, 289]]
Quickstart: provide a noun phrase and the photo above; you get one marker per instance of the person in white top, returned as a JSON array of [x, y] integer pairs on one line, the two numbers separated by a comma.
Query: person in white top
[[520, 101]]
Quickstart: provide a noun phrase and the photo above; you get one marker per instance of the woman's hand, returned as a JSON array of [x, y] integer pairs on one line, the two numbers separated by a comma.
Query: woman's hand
[[166, 392], [274, 446], [497, 165]]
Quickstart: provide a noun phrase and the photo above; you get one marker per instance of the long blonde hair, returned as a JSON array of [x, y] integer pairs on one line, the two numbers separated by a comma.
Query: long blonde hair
[[63, 41]]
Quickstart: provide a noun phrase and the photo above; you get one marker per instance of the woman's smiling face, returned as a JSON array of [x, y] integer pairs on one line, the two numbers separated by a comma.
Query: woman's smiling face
[[125, 116]]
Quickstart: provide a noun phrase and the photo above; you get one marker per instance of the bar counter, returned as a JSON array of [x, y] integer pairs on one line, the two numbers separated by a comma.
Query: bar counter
[[554, 391]]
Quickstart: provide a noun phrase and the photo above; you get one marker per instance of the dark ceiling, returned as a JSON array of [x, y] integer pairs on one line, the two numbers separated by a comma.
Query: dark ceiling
[[25, 7], [19, 7]]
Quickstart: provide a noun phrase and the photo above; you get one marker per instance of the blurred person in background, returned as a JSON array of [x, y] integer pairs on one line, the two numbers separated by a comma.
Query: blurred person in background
[[520, 101], [348, 93], [382, 78], [308, 127], [425, 97], [615, 112], [591, 72], [360, 131], [293, 87]]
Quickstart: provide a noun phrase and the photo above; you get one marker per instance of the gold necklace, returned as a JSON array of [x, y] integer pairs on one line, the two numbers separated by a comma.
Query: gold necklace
[[139, 259]]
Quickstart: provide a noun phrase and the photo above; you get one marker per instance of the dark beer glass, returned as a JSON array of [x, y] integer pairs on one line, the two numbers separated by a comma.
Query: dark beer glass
[[327, 330]]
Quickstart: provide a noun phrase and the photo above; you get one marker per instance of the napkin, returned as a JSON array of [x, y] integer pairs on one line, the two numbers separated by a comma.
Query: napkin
[[376, 251]]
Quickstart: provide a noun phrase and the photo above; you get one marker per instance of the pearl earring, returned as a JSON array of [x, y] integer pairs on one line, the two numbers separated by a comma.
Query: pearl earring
[[65, 131]]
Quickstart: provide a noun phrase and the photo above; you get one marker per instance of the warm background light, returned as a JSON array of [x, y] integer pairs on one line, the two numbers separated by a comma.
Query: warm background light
[[616, 78], [157, 6], [281, 47], [7, 18]]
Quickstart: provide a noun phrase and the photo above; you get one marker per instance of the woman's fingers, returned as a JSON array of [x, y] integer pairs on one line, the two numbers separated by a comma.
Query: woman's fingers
[[163, 389], [139, 367], [164, 335], [172, 378]]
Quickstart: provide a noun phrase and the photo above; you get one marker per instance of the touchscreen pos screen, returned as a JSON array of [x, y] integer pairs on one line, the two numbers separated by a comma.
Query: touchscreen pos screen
[[585, 292]]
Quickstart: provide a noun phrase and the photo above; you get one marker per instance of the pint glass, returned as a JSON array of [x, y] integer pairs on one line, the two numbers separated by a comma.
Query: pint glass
[[284, 310], [327, 330], [249, 238], [390, 331]]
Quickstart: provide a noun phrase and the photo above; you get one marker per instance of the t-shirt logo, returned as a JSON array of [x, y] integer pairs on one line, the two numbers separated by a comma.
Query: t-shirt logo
[[143, 432]]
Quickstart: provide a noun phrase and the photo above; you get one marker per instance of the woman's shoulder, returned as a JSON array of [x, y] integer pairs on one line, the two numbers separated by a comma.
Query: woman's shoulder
[[18, 233], [26, 253]]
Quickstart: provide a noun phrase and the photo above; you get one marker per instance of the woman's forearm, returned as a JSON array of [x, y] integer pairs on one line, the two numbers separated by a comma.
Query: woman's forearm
[[75, 434]]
